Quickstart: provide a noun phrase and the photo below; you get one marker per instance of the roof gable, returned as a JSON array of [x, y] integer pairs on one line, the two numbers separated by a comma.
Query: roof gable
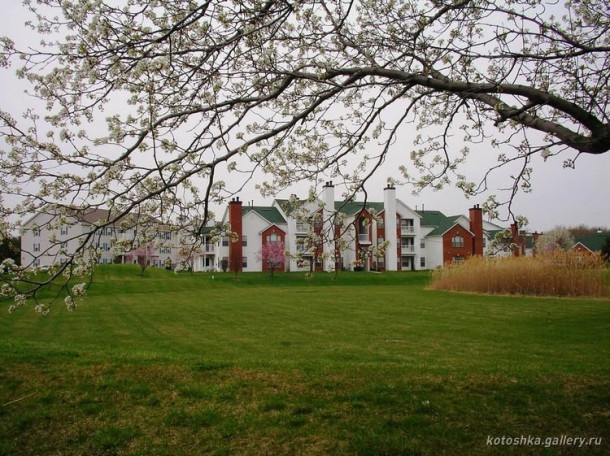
[[269, 213], [594, 242]]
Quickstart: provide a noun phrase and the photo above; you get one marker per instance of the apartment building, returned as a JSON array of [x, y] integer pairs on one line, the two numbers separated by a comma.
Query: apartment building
[[327, 234], [49, 238]]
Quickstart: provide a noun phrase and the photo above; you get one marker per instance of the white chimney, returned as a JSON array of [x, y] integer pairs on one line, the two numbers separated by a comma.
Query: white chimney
[[389, 207], [328, 230]]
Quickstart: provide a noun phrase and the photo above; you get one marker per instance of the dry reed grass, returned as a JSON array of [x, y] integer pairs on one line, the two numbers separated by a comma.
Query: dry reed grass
[[559, 274]]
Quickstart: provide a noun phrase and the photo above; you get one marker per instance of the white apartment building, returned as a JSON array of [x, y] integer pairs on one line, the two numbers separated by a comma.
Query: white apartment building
[[415, 239], [46, 240]]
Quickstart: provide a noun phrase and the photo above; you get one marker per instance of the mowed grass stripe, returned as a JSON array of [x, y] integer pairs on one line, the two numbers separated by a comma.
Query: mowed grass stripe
[[360, 364]]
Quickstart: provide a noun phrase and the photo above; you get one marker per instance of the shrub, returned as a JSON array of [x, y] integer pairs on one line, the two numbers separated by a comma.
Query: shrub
[[556, 274]]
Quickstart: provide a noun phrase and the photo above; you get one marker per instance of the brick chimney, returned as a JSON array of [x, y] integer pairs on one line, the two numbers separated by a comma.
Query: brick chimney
[[236, 248], [519, 248], [535, 236], [476, 227]]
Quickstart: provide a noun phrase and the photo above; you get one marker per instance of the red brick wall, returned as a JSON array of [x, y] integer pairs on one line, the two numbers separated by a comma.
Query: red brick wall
[[273, 230], [450, 252]]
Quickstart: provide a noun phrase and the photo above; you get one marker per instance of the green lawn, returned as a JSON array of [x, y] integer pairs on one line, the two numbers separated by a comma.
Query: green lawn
[[361, 364]]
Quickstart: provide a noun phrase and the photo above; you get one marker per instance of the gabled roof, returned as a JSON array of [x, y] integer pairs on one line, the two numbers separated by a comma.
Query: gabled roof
[[272, 225], [345, 207], [269, 213], [439, 221], [286, 205], [593, 242], [93, 216], [431, 218], [353, 207]]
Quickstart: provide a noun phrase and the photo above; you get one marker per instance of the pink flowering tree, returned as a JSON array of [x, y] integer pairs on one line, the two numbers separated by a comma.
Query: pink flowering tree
[[143, 255], [272, 255]]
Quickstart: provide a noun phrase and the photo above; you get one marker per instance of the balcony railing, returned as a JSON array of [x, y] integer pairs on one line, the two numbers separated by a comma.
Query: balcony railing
[[303, 227], [407, 230], [407, 248], [208, 248]]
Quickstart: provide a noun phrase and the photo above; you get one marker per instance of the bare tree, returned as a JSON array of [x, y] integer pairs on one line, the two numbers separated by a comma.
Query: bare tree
[[298, 90]]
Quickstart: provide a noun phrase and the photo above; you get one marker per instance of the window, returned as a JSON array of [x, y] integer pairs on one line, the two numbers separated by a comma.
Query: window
[[244, 262], [36, 232], [380, 240], [273, 238], [225, 241], [422, 243], [457, 241], [458, 259], [165, 235], [303, 226], [422, 262], [244, 241], [64, 230], [105, 247], [301, 245], [37, 247]]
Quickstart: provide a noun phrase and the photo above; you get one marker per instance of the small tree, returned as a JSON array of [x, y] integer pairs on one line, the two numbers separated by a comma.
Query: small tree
[[273, 255], [142, 255], [557, 239]]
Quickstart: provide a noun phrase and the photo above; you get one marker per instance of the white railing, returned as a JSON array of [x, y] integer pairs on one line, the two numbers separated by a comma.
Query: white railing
[[303, 227], [209, 248], [407, 249], [364, 238], [407, 230]]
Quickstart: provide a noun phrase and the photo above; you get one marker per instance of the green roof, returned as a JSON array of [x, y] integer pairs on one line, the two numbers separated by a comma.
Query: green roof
[[431, 218], [438, 220], [206, 229], [287, 206], [353, 207], [269, 213], [593, 242]]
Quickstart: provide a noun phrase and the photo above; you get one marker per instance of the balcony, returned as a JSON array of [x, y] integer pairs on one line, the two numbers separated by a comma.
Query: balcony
[[407, 249], [407, 230], [208, 248], [303, 227]]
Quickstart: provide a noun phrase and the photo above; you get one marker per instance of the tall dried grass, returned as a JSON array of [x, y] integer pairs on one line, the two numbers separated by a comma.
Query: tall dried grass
[[558, 274]]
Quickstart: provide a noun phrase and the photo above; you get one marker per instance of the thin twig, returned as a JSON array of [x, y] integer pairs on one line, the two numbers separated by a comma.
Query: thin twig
[[17, 400]]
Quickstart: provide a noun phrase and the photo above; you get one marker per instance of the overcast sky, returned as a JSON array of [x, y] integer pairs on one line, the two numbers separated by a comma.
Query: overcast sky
[[560, 196]]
